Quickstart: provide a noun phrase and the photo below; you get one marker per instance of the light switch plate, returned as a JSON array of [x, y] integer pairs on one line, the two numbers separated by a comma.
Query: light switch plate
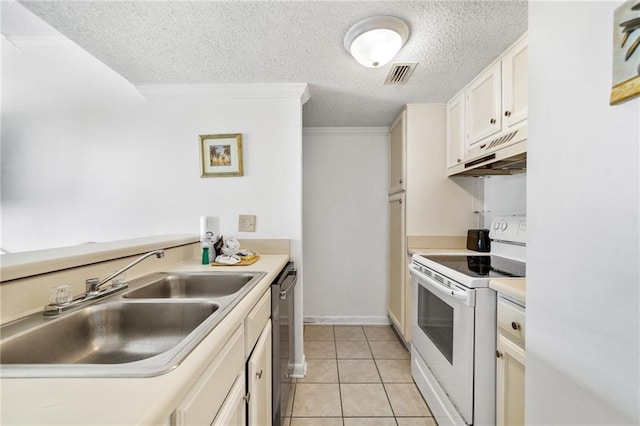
[[246, 223]]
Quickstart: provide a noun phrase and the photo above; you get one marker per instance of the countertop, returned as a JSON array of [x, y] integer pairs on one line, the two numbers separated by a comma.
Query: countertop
[[19, 265], [463, 251], [120, 401], [513, 288]]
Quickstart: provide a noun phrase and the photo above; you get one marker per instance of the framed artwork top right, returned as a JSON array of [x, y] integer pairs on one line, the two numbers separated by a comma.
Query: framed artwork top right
[[626, 52]]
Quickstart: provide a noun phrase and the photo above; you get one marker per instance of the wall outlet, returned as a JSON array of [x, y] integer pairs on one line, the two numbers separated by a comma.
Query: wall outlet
[[246, 223], [522, 227]]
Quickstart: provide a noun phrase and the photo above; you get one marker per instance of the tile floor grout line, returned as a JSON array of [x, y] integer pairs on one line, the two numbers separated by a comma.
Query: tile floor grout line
[[335, 344], [381, 381], [293, 400], [340, 382]]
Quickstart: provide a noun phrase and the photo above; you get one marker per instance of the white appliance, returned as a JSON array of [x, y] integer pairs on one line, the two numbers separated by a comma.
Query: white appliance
[[454, 324]]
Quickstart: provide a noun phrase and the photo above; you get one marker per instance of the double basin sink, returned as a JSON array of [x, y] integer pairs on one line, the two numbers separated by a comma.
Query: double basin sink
[[142, 331]]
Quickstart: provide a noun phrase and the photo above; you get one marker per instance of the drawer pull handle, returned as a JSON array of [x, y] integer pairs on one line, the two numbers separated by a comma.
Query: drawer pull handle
[[259, 374], [498, 354], [515, 325]]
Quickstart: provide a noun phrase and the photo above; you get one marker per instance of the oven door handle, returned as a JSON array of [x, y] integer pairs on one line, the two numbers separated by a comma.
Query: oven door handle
[[463, 296]]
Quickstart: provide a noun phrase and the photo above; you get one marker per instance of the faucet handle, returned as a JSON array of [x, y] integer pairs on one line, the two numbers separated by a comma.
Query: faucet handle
[[92, 285]]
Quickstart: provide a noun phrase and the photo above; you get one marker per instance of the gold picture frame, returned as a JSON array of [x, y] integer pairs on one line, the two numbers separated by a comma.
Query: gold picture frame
[[626, 52], [221, 155]]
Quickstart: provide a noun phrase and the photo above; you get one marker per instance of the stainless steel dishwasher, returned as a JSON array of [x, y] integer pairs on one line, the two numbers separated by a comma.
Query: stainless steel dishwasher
[[282, 315]]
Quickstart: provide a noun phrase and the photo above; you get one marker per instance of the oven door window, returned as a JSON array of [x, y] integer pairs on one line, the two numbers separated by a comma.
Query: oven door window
[[435, 318]]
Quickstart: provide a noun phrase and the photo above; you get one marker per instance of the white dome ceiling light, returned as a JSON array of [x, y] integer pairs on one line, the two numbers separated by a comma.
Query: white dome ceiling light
[[373, 42]]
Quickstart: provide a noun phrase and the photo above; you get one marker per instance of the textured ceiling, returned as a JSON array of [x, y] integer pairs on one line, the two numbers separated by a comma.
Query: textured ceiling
[[218, 42]]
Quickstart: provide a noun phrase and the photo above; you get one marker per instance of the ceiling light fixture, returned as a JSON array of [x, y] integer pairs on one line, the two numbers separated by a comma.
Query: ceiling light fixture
[[375, 41]]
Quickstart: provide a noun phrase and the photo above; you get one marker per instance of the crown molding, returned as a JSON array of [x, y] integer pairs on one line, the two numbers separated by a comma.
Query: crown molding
[[345, 130], [157, 92], [40, 42]]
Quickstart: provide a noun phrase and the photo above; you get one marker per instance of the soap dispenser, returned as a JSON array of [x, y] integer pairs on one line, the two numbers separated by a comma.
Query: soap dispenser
[[205, 243], [205, 255]]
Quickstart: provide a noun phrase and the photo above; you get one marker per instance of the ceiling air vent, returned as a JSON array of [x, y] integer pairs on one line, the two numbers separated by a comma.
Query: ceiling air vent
[[400, 72]]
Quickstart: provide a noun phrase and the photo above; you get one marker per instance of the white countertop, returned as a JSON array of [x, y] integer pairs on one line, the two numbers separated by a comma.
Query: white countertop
[[515, 288], [463, 251], [19, 265], [130, 401]]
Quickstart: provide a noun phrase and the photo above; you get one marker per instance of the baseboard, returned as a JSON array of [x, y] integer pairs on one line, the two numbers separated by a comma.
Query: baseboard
[[362, 320], [299, 371]]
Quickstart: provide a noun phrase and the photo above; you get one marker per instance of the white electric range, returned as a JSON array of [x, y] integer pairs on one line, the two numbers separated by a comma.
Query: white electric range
[[454, 324]]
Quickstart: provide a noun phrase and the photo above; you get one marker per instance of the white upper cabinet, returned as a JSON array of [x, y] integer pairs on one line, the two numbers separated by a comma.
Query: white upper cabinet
[[484, 106], [515, 94], [397, 147], [455, 129], [495, 102]]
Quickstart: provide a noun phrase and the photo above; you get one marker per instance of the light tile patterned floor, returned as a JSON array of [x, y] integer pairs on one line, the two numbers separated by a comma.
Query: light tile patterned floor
[[356, 376]]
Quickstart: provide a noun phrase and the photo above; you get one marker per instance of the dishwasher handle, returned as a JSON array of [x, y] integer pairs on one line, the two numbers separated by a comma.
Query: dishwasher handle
[[288, 283]]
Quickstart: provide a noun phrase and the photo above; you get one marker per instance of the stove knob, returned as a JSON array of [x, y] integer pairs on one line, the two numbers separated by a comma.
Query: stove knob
[[496, 225], [504, 225]]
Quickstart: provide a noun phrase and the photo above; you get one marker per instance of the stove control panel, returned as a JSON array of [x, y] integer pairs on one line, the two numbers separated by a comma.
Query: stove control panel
[[509, 228]]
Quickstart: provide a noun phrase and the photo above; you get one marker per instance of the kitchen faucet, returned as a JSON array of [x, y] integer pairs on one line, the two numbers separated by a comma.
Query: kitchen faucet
[[93, 288], [93, 284]]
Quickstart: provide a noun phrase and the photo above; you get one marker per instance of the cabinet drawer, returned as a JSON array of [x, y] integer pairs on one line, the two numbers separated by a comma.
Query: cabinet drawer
[[255, 321], [205, 398], [511, 320]]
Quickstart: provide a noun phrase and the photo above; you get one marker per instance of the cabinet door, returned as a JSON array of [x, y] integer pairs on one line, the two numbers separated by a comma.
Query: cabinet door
[[202, 402], [510, 367], [234, 410], [397, 249], [515, 95], [397, 146], [259, 380], [483, 106], [455, 130]]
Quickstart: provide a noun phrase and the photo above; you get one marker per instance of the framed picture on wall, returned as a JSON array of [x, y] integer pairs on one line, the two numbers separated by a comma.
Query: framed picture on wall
[[221, 155], [626, 52]]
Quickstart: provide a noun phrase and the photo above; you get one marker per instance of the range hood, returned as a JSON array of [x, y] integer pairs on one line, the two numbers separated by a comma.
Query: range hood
[[505, 154]]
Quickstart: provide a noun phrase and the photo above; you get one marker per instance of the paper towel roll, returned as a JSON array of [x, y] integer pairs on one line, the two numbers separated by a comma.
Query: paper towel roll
[[209, 227], [203, 227]]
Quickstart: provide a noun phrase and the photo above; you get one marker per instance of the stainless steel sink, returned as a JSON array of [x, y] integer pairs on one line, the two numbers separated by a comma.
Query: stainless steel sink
[[192, 285], [112, 333], [145, 332]]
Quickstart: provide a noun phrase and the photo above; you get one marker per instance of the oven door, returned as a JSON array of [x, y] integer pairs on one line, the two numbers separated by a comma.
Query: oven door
[[442, 326]]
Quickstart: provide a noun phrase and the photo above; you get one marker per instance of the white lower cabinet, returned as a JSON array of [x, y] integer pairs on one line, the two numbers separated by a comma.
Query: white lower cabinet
[[259, 380], [234, 410], [510, 364], [396, 282], [235, 389], [202, 402]]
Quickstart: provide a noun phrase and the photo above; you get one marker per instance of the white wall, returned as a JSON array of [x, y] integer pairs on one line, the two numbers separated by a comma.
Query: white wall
[[345, 225], [583, 281], [436, 204], [86, 158], [503, 196]]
